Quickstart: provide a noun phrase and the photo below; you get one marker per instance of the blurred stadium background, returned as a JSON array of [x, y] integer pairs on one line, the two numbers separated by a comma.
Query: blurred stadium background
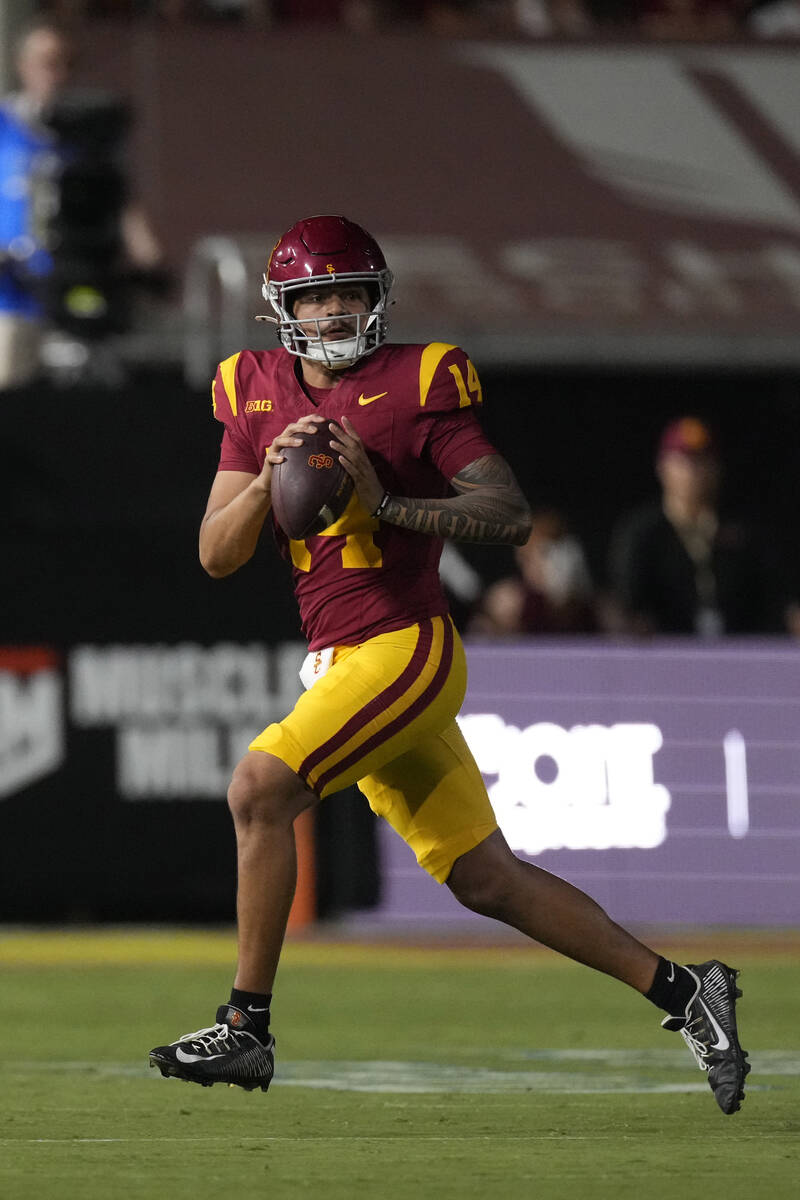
[[612, 229], [610, 224]]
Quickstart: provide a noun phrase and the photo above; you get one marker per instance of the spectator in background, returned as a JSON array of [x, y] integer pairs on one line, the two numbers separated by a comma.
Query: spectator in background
[[374, 16], [545, 18], [774, 19], [458, 18], [44, 63], [687, 20], [679, 566], [552, 592], [355, 16]]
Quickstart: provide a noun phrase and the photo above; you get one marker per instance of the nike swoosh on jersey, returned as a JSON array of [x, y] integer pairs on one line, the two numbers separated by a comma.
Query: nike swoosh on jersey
[[183, 1057], [722, 1042], [362, 399]]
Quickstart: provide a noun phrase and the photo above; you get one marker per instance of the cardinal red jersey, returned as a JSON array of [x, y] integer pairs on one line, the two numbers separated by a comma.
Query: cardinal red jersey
[[414, 407]]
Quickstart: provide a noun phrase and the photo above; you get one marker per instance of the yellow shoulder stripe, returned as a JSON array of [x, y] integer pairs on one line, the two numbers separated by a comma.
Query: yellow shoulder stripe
[[227, 370], [432, 355]]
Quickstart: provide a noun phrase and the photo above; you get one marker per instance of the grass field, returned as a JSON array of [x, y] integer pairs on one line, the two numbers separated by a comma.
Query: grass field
[[403, 1072]]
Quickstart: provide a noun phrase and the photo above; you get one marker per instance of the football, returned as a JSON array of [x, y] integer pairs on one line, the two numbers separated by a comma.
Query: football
[[310, 488]]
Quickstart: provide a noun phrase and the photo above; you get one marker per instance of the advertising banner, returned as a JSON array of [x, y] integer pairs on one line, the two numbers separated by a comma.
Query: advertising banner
[[114, 767], [663, 780]]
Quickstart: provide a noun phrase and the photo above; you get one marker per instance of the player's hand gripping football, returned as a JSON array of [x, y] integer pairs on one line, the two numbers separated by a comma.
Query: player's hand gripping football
[[348, 445], [293, 435]]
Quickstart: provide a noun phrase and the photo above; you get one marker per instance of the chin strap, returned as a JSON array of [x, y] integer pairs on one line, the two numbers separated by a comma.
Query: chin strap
[[342, 353]]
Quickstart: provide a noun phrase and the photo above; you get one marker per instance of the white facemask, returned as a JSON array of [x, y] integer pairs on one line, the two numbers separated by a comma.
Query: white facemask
[[338, 352], [369, 328]]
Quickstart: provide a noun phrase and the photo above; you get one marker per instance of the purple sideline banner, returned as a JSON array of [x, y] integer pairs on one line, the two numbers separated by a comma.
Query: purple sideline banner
[[663, 780]]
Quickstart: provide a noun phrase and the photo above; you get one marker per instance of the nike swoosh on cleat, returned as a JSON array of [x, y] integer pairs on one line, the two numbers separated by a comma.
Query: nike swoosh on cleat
[[183, 1057], [251, 1009], [722, 1042], [362, 399], [671, 975]]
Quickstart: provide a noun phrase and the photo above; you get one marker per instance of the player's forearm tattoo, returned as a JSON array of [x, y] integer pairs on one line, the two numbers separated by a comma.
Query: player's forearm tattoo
[[489, 508]]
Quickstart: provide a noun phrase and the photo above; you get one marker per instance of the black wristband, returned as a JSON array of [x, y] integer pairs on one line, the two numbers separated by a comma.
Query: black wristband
[[385, 498]]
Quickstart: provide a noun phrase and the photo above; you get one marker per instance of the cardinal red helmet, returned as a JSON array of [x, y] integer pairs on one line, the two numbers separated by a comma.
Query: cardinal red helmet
[[321, 251]]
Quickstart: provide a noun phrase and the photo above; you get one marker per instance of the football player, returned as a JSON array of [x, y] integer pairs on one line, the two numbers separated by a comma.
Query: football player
[[385, 662]]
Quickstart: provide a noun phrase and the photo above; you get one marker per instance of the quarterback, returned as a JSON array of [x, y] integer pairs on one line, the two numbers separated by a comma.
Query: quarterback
[[386, 664]]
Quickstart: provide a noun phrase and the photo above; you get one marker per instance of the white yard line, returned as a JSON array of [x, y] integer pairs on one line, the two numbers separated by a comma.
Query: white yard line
[[607, 1072]]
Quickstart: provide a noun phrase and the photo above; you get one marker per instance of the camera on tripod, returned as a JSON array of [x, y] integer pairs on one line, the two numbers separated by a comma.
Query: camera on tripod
[[79, 192]]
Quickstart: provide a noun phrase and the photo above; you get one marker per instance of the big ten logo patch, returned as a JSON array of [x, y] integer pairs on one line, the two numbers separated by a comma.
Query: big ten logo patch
[[323, 462], [31, 716], [252, 406]]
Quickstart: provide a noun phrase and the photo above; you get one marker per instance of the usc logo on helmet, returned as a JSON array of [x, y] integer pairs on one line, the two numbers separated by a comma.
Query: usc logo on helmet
[[321, 461], [330, 268]]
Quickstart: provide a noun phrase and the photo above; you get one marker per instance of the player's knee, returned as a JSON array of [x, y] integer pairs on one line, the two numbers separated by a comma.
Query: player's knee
[[486, 878], [482, 890], [265, 790]]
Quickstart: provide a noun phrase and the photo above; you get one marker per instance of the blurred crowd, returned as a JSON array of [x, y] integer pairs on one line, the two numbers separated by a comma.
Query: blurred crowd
[[692, 20], [679, 564]]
